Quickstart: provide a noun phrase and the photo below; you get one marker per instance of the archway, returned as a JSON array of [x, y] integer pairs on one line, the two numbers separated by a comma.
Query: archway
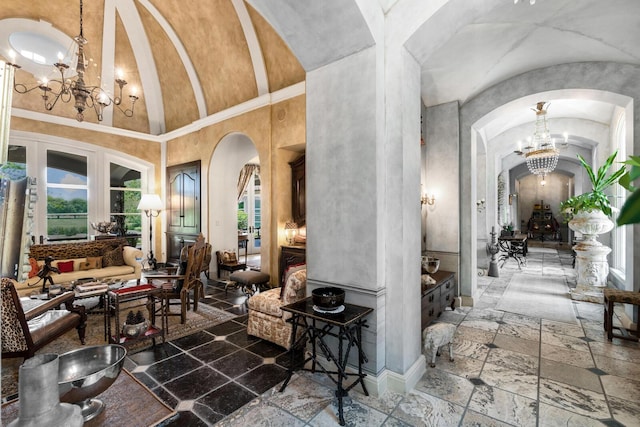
[[229, 157]]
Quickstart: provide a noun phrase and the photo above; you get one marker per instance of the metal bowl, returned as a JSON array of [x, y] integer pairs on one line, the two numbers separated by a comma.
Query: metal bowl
[[327, 298], [134, 330], [86, 372]]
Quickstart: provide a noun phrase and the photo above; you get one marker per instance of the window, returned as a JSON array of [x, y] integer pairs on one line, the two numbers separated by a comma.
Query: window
[[618, 254], [67, 196], [124, 196], [16, 166]]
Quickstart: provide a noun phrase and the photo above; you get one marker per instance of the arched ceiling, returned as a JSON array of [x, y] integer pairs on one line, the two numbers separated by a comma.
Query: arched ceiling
[[186, 59]]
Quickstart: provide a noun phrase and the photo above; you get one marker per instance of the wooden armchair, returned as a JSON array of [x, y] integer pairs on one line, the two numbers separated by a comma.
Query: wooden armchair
[[25, 332], [179, 286]]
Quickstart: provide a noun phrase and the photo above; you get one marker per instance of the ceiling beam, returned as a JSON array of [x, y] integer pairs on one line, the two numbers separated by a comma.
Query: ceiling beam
[[257, 59]]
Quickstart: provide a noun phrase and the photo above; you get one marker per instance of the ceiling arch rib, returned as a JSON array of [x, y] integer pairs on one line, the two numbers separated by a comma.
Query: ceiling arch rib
[[259, 68], [108, 52], [146, 65], [184, 57]]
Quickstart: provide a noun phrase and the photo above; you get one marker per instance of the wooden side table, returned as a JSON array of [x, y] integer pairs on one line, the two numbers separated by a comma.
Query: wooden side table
[[346, 326], [119, 296]]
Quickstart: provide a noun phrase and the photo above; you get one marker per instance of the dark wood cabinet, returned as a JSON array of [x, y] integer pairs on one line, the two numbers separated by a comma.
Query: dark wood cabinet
[[298, 192], [436, 298], [183, 207], [290, 255]]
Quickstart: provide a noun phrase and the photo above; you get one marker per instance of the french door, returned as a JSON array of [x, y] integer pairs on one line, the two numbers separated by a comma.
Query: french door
[[249, 215]]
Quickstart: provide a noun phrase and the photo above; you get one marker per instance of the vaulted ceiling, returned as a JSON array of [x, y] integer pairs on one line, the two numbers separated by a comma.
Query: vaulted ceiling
[[187, 60]]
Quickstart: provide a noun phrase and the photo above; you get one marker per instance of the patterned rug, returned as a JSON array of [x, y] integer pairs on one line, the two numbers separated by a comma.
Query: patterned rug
[[205, 317]]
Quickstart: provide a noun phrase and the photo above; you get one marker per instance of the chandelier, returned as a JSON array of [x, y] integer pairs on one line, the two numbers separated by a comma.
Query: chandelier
[[68, 88], [541, 153]]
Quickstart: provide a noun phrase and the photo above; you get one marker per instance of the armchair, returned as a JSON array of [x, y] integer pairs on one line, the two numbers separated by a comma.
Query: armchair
[[266, 319], [25, 332], [228, 261]]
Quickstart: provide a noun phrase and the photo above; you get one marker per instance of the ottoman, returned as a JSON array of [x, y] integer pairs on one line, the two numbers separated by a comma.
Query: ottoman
[[251, 281]]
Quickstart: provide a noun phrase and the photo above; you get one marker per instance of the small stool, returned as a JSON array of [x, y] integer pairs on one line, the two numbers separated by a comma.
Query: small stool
[[250, 280], [612, 296]]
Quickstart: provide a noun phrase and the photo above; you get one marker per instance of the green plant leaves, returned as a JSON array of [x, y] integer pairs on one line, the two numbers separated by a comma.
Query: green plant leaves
[[630, 212]]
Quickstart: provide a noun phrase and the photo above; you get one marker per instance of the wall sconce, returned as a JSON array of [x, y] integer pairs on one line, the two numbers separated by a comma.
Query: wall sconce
[[481, 205], [290, 231], [426, 200]]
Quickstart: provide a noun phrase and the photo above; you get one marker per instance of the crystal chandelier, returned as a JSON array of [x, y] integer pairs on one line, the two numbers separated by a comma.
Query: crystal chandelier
[[68, 88], [541, 153]]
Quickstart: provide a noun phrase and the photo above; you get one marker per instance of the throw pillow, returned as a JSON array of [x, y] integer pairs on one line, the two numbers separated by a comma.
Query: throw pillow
[[34, 267], [65, 266], [229, 257], [113, 257], [95, 261], [288, 272], [84, 266]]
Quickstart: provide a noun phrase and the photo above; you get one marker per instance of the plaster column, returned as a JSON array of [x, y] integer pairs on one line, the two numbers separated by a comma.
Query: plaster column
[[363, 204]]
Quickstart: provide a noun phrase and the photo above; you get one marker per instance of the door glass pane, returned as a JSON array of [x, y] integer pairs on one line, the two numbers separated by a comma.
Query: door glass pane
[[124, 196], [67, 196]]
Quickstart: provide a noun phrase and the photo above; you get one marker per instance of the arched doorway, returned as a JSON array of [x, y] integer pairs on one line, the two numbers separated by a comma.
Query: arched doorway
[[232, 153]]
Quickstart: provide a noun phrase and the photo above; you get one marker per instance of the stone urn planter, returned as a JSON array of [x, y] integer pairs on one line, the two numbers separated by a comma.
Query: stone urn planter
[[591, 256]]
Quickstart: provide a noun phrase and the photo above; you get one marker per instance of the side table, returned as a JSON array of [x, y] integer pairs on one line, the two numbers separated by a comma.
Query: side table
[[119, 296], [346, 326]]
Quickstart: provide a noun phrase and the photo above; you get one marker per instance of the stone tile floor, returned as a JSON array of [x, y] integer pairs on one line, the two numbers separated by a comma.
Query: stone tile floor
[[509, 370]]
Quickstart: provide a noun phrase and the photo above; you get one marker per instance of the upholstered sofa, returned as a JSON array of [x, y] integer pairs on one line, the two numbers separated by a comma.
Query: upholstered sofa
[[266, 319], [98, 259]]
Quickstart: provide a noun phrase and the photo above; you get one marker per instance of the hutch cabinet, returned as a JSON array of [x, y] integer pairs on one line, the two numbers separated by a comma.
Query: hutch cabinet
[[436, 298]]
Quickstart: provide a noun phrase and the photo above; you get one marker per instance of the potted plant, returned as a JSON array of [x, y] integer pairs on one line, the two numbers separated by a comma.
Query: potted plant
[[135, 325], [630, 212], [507, 230], [596, 200]]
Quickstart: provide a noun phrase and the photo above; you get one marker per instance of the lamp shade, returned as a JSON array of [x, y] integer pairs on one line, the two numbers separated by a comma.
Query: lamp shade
[[150, 202]]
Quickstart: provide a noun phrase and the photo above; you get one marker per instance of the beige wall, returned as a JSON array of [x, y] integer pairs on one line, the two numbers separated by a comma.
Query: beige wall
[[278, 133]]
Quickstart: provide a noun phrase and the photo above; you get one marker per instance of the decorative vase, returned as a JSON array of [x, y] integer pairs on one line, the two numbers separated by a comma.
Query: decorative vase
[[39, 397], [591, 256]]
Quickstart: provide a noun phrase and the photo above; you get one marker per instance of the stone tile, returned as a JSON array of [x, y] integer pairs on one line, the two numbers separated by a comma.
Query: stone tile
[[453, 317], [518, 382], [173, 367], [385, 403], [188, 418], [521, 319], [580, 359], [483, 325], [213, 350], [223, 400], [572, 375], [552, 416], [476, 419], [196, 383], [487, 314], [620, 387], [445, 386], [193, 340], [564, 341], [512, 360], [574, 399], [573, 330], [473, 334], [354, 412], [625, 411], [519, 345], [618, 367], [154, 354], [266, 349], [394, 422], [302, 397], [237, 363], [462, 366], [504, 406], [425, 410], [620, 352], [262, 378], [472, 349], [520, 331], [225, 328], [260, 414]]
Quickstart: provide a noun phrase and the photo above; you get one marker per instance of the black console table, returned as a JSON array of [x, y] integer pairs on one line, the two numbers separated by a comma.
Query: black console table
[[346, 326]]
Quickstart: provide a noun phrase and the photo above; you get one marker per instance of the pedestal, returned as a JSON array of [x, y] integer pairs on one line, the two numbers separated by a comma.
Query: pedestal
[[591, 256]]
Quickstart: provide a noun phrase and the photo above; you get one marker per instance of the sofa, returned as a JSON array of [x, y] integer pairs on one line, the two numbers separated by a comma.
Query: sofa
[[266, 319], [98, 259]]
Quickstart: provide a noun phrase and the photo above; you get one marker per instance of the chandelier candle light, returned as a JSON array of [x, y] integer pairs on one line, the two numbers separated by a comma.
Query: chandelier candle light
[[84, 96], [541, 154]]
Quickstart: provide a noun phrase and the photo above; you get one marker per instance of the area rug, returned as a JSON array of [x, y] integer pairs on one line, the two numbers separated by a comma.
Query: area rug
[[205, 317], [545, 297]]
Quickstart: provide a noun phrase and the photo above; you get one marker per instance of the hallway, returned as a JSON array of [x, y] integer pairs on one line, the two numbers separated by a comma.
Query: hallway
[[509, 370]]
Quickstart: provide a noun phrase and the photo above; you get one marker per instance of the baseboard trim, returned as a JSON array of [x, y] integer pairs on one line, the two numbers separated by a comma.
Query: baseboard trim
[[386, 380]]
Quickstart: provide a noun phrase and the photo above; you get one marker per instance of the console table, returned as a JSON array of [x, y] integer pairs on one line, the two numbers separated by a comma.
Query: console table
[[436, 298], [346, 326]]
